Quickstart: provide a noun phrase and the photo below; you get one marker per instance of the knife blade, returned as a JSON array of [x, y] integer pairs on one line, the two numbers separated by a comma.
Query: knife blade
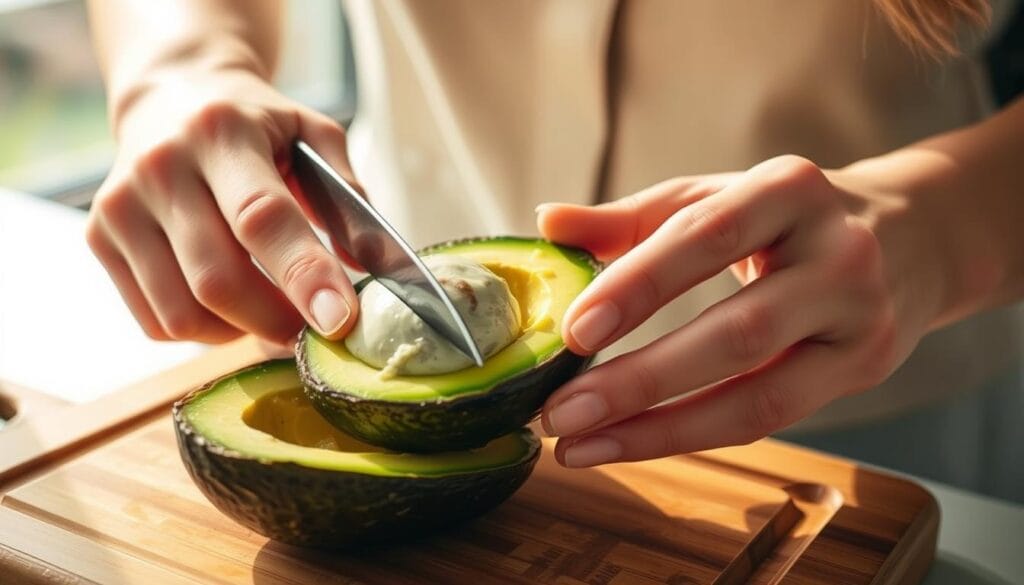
[[359, 229]]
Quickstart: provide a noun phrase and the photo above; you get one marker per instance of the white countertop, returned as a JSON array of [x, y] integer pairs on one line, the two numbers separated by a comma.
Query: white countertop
[[52, 291], [55, 296]]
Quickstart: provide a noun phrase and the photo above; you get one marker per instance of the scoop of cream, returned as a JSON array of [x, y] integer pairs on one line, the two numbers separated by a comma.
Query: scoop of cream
[[393, 339]]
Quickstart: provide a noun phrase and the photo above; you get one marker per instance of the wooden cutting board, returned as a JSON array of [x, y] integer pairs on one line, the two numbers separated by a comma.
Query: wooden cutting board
[[97, 494]]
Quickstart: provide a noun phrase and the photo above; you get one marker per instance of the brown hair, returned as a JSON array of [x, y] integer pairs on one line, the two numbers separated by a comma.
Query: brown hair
[[931, 25]]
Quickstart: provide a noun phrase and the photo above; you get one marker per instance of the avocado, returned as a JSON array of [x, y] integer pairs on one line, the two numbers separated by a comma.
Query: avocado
[[467, 408], [259, 451]]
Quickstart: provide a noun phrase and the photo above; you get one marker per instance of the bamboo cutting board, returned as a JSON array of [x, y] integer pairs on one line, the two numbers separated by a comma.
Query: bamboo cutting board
[[97, 494]]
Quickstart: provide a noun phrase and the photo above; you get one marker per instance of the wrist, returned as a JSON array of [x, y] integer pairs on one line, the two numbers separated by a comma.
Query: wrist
[[185, 67], [940, 264]]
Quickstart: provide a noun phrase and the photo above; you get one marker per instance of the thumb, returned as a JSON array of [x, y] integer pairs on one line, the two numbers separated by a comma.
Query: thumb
[[609, 230]]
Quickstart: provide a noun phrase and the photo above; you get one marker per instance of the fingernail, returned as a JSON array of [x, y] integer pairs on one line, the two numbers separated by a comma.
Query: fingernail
[[595, 325], [546, 426], [330, 311], [542, 207], [578, 412], [592, 451]]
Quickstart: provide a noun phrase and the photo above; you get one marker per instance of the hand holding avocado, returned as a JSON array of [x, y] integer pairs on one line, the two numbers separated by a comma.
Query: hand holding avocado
[[827, 309]]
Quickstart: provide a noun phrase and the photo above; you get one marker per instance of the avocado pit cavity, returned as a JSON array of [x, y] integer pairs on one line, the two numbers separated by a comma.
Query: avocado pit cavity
[[393, 339]]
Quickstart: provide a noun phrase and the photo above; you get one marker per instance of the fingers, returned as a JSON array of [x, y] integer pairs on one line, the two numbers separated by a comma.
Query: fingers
[[756, 211], [195, 185], [219, 272], [121, 274], [182, 256], [816, 320], [734, 412], [611, 229], [237, 162], [734, 336], [154, 269]]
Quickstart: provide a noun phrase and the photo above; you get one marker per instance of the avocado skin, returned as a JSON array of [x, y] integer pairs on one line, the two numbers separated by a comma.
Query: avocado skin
[[454, 424], [330, 509]]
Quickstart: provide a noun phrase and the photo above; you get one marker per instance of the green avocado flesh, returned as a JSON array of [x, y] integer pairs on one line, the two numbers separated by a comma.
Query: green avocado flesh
[[467, 408], [544, 279], [262, 413], [259, 451]]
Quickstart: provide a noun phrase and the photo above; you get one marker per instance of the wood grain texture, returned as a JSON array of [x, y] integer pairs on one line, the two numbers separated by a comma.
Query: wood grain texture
[[108, 501]]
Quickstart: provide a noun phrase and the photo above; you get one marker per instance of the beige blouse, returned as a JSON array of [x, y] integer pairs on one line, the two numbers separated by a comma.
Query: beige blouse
[[472, 112]]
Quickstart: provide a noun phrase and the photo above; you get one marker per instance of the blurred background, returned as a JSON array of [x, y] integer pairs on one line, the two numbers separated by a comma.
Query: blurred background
[[55, 142]]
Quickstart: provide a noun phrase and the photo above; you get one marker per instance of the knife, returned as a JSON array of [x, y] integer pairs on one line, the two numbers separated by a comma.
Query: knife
[[357, 228]]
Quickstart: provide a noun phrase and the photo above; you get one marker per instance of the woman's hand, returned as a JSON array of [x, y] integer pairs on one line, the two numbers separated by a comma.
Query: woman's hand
[[197, 192], [823, 311]]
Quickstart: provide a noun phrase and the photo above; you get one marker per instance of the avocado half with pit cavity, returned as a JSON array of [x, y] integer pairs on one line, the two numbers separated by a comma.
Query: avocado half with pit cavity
[[262, 455], [469, 407]]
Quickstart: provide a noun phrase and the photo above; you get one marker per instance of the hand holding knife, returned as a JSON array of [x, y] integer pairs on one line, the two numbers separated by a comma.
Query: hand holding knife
[[356, 227]]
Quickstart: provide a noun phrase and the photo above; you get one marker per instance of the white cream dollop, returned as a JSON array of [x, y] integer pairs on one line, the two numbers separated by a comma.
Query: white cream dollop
[[393, 339]]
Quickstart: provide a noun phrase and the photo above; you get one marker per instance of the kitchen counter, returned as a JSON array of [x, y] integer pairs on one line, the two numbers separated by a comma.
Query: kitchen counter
[[50, 282]]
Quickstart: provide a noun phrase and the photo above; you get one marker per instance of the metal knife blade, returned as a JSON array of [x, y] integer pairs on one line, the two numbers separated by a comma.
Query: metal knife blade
[[356, 227]]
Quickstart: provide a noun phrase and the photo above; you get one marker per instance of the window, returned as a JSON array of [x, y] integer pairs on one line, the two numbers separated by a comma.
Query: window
[[54, 139]]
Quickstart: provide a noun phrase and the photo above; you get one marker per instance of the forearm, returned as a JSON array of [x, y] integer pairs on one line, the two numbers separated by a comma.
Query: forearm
[[955, 205], [138, 42]]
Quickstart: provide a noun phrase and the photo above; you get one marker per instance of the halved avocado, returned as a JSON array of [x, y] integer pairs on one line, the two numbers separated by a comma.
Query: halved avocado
[[263, 456], [467, 408]]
